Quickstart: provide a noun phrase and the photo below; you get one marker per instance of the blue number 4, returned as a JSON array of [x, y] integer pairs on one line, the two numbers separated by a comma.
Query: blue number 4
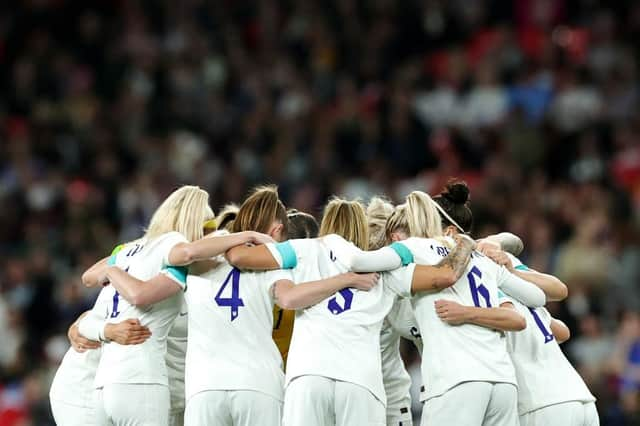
[[234, 302], [478, 290], [548, 336], [334, 306]]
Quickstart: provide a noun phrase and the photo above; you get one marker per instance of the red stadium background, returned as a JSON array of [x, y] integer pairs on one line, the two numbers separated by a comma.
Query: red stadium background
[[107, 106]]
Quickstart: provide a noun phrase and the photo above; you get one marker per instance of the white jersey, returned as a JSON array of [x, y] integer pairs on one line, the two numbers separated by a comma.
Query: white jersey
[[143, 363], [338, 338], [175, 358], [73, 382], [461, 353], [230, 324], [545, 376], [400, 322]]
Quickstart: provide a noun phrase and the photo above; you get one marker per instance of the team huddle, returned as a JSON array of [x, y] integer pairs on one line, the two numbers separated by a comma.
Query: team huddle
[[260, 316]]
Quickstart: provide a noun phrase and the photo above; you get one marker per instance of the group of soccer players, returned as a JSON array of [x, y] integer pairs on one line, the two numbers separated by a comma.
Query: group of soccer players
[[260, 316]]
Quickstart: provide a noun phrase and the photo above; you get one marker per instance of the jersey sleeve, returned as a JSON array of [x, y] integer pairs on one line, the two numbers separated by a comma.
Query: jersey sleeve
[[92, 325], [399, 280], [527, 293], [272, 277], [169, 240], [383, 259], [178, 274], [517, 263], [284, 254], [422, 251]]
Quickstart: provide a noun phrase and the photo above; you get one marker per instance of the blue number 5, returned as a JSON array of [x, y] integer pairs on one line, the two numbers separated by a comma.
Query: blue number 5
[[548, 336], [335, 307], [234, 302], [478, 290]]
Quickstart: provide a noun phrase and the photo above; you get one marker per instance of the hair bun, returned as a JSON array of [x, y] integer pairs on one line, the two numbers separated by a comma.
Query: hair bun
[[457, 192]]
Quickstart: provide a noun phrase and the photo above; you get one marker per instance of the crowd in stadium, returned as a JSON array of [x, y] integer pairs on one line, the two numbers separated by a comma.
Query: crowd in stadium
[[106, 108]]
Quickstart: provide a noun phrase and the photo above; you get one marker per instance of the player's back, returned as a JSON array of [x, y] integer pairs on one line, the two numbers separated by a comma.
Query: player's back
[[143, 363], [456, 354], [344, 327], [545, 376], [230, 324]]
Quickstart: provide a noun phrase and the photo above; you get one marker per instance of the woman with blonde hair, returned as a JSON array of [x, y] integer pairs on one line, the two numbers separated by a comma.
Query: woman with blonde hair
[[333, 372], [399, 322], [146, 283], [467, 363], [240, 382]]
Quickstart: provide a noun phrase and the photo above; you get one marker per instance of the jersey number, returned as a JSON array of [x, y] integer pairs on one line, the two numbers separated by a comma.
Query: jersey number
[[346, 298], [116, 301], [234, 302], [478, 290], [548, 336]]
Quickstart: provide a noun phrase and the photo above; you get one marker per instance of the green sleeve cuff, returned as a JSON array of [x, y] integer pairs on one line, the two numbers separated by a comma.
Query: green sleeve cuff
[[112, 259], [178, 273], [405, 254], [288, 253], [522, 268]]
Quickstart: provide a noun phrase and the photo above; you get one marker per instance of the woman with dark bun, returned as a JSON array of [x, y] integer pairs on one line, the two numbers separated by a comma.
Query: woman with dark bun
[[535, 351]]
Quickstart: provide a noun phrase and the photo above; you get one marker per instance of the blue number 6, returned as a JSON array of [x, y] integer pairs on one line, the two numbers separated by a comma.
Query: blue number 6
[[234, 302], [478, 289]]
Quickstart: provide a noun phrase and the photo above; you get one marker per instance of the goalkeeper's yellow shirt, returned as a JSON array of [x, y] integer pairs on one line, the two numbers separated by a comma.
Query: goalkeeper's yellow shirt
[[282, 330]]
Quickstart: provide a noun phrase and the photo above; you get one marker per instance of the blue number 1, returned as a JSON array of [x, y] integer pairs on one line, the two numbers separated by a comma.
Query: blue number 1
[[116, 300], [234, 302], [478, 290], [548, 336]]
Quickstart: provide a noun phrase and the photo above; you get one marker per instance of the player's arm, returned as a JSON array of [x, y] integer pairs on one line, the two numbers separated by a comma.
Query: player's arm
[[210, 246], [137, 292], [553, 288], [504, 318], [560, 330], [288, 295], [506, 241], [445, 273], [252, 258], [91, 277], [78, 341], [93, 327]]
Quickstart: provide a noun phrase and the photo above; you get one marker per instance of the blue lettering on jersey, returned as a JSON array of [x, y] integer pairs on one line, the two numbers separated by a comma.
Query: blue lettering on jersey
[[333, 305]]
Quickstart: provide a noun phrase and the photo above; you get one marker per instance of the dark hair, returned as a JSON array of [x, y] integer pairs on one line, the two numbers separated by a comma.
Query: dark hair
[[301, 225], [227, 216], [454, 200]]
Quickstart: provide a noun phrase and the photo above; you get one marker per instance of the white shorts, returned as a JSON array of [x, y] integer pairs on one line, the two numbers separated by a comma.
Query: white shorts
[[400, 413], [320, 401], [574, 413], [72, 415], [233, 408], [473, 404], [132, 405]]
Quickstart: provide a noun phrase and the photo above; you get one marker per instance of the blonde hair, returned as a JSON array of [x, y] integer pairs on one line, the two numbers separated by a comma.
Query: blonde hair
[[418, 217], [260, 210], [378, 211], [347, 219], [185, 210], [227, 215]]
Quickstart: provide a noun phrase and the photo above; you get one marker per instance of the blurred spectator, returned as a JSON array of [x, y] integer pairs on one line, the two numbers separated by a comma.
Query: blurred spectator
[[106, 107]]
